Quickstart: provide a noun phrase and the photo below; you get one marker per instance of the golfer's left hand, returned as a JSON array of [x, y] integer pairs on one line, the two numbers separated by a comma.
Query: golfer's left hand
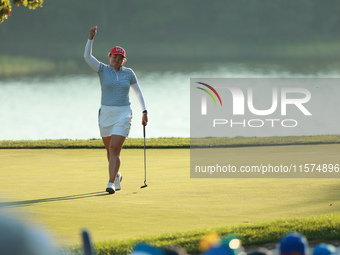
[[145, 119]]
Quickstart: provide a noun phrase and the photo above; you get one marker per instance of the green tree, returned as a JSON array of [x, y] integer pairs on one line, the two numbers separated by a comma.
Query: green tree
[[6, 6]]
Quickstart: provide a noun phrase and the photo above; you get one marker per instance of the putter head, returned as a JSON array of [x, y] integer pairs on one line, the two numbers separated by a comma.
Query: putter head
[[144, 186]]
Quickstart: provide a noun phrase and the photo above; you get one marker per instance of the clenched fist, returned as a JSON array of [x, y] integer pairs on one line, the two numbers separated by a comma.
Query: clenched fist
[[93, 32]]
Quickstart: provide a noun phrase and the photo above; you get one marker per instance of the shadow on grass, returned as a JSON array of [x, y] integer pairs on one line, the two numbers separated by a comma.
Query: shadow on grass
[[52, 199]]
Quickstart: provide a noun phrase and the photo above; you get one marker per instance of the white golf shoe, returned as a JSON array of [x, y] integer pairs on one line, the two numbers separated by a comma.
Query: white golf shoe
[[118, 180], [111, 188]]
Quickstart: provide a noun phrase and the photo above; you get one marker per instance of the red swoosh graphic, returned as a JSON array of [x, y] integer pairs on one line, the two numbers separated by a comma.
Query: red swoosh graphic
[[212, 90]]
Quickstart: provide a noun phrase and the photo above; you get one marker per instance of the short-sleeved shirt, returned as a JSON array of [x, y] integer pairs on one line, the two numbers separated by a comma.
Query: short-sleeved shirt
[[115, 86]]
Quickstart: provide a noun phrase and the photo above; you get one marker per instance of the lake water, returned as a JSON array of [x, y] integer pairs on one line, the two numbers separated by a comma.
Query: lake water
[[67, 106]]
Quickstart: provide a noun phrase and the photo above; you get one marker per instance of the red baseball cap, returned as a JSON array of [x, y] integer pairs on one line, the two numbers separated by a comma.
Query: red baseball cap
[[118, 50]]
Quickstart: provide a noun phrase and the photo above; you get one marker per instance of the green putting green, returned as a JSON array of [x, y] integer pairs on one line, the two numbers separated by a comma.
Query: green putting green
[[64, 189]]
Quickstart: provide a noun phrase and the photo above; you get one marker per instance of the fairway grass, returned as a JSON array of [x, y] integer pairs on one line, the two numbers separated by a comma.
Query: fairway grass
[[174, 142], [64, 190]]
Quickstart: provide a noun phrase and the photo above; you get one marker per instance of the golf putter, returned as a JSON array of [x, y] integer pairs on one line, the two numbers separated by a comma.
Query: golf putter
[[145, 185]]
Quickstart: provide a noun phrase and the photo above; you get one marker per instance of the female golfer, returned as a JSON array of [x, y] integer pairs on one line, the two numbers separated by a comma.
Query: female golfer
[[115, 112]]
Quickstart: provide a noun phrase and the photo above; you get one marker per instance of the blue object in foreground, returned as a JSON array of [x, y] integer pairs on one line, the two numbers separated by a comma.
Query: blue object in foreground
[[87, 243], [324, 249]]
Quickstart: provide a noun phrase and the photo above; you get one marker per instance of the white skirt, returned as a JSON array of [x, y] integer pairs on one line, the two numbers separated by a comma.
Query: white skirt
[[114, 120]]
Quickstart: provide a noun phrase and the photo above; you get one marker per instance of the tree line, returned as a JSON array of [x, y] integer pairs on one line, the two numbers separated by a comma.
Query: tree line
[[167, 22]]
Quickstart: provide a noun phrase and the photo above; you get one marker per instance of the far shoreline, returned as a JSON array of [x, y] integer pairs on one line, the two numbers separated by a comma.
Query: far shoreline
[[173, 142]]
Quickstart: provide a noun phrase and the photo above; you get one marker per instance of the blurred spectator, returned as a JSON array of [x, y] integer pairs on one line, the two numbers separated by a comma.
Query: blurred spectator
[[293, 244], [209, 241], [324, 249], [230, 245], [17, 238], [260, 251], [174, 251], [145, 249]]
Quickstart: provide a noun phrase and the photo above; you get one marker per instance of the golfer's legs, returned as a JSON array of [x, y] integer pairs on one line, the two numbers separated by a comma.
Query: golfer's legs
[[116, 145], [106, 141]]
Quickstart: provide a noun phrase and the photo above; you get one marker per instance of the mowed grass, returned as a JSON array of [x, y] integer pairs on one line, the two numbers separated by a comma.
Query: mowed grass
[[64, 190], [174, 142]]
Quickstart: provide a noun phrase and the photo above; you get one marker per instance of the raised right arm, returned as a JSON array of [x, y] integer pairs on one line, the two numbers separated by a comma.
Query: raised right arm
[[91, 60]]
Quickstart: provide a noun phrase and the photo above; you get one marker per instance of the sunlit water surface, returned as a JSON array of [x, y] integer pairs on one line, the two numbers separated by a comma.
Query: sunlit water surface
[[67, 107]]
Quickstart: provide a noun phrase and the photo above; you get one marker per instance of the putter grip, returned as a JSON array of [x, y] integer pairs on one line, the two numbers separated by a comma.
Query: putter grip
[[144, 130]]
